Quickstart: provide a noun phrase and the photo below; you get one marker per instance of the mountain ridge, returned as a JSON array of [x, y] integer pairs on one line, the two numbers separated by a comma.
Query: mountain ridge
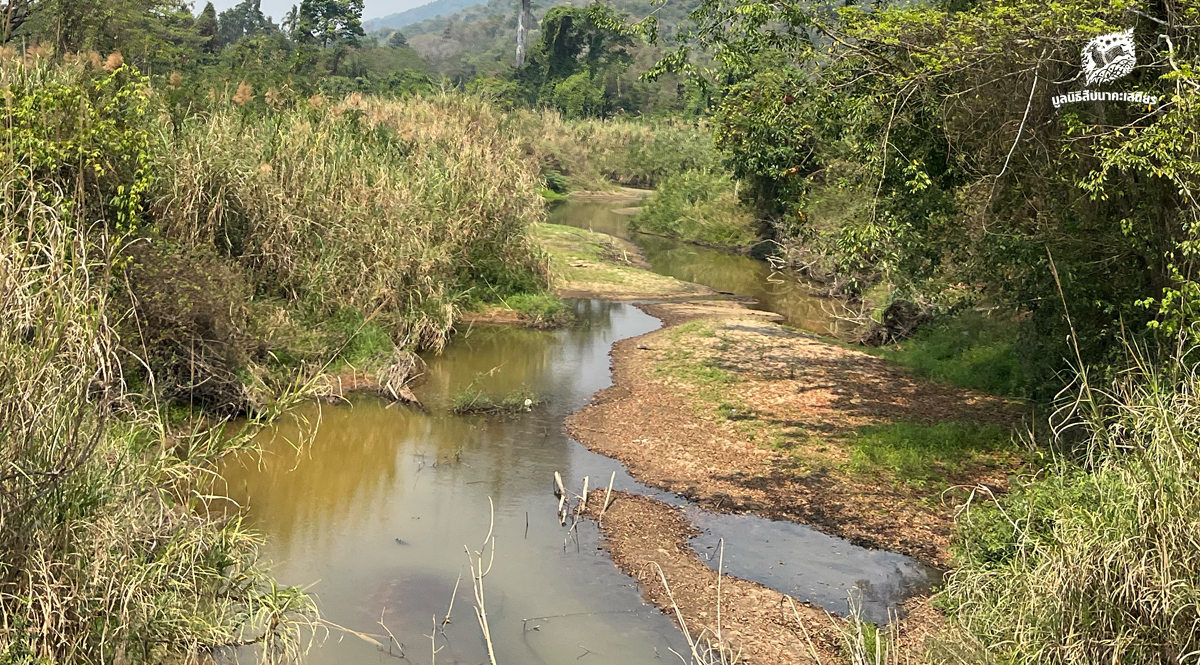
[[431, 10]]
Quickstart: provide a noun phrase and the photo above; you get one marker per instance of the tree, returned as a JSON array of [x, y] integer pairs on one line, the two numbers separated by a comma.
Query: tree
[[290, 19], [14, 13], [207, 27], [244, 19], [962, 178], [329, 22], [397, 40], [579, 51]]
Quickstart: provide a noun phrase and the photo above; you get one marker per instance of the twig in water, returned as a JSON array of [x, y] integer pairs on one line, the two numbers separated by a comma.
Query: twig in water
[[607, 494], [562, 498], [478, 572], [453, 594], [391, 636], [433, 647], [582, 498]]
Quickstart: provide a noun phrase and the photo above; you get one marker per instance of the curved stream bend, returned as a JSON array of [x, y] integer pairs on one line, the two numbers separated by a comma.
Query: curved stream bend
[[376, 473]]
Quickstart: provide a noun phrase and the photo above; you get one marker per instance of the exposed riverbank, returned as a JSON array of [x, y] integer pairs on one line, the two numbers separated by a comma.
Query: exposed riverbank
[[737, 413]]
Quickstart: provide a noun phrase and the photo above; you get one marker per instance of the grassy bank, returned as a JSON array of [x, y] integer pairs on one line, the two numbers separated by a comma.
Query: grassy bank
[[586, 264], [1094, 560], [155, 268]]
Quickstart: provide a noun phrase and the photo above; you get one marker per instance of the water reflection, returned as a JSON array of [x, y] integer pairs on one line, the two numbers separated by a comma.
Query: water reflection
[[376, 473]]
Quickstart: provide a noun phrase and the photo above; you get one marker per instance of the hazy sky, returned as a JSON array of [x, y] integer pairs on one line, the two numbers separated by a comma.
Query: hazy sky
[[277, 8]]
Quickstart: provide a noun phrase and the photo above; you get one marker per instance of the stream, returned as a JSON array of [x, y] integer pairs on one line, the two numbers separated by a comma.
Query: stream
[[373, 511]]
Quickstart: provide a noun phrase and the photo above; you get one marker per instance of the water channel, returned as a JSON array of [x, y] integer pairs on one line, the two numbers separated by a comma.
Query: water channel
[[373, 513]]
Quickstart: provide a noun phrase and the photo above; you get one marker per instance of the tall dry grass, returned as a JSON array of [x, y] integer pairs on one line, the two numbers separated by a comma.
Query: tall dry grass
[[406, 207], [1096, 561], [108, 551]]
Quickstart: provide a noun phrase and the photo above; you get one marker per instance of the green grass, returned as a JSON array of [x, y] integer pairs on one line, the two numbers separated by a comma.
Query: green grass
[[926, 455], [595, 262], [969, 350], [474, 401], [539, 309]]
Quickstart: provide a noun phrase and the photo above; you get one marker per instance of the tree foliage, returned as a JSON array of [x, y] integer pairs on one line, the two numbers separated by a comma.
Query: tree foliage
[[940, 117]]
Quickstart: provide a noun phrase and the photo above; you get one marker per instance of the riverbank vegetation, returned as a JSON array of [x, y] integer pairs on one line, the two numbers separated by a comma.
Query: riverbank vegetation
[[164, 272], [700, 207], [205, 214], [918, 147]]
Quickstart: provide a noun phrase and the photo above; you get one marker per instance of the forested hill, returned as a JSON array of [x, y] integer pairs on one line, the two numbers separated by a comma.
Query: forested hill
[[481, 39], [423, 13]]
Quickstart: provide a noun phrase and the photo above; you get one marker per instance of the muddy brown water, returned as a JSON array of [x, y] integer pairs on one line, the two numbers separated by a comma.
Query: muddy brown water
[[337, 486]]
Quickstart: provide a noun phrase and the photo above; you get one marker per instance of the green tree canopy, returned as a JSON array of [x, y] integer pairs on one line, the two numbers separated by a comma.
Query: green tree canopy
[[326, 22]]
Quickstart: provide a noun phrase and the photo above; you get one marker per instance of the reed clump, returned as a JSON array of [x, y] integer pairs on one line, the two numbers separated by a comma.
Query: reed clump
[[153, 264], [406, 208], [110, 547], [1095, 560]]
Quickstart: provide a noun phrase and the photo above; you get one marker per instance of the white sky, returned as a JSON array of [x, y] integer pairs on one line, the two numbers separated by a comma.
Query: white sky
[[277, 8]]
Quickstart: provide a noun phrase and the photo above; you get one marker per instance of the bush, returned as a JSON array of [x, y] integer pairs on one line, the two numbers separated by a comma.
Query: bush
[[699, 207], [112, 549], [1096, 561], [189, 324]]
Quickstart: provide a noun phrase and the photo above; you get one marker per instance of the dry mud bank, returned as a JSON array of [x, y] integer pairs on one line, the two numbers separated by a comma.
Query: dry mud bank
[[737, 413], [752, 624], [731, 410]]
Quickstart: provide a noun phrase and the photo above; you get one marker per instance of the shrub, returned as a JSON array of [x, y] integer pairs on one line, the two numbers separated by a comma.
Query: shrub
[[699, 207]]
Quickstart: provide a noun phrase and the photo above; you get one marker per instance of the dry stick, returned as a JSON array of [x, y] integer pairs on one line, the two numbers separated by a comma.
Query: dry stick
[[454, 593], [477, 575], [607, 494], [390, 635], [811, 648], [678, 615], [433, 647], [562, 497], [582, 498], [720, 575]]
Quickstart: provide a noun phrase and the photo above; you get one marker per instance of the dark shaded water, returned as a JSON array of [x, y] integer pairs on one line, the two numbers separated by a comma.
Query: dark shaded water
[[372, 473]]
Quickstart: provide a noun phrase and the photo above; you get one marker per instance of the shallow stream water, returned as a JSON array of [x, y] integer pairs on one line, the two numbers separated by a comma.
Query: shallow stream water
[[782, 292], [374, 511]]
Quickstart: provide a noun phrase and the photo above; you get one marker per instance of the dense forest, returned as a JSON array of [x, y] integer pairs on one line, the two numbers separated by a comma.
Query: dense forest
[[206, 214]]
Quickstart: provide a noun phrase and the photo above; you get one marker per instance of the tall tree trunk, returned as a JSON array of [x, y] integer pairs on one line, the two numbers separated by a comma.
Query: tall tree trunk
[[523, 20]]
